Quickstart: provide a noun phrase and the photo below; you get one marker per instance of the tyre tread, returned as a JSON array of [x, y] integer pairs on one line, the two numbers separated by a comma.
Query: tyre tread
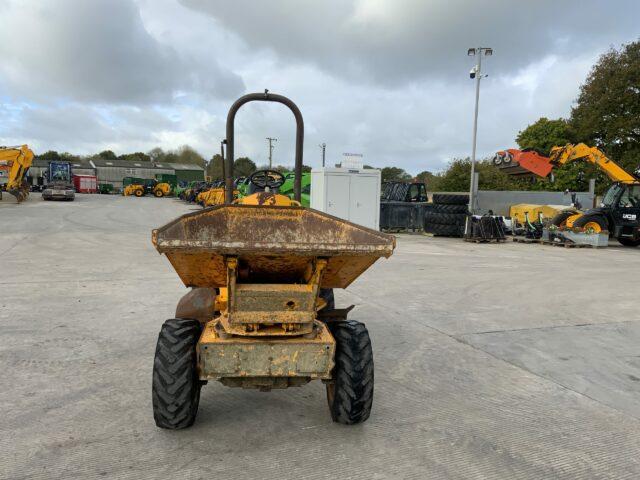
[[175, 385], [353, 373]]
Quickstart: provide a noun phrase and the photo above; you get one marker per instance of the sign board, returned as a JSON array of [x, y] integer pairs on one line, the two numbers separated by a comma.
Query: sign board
[[352, 160]]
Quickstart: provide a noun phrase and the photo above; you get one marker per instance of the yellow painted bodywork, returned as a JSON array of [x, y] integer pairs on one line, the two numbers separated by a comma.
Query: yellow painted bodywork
[[213, 196], [571, 153], [569, 222], [259, 362], [517, 212], [133, 189], [592, 226], [16, 162], [267, 257], [162, 190], [267, 198]]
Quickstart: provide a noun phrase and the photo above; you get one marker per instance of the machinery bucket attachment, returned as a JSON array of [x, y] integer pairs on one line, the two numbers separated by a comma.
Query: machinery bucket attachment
[[20, 193], [275, 244]]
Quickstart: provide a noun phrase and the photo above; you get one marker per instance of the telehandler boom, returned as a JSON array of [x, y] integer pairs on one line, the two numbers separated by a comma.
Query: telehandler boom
[[570, 153]]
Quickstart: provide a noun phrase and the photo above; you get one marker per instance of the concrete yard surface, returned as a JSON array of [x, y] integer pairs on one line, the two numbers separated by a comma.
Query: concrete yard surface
[[496, 361]]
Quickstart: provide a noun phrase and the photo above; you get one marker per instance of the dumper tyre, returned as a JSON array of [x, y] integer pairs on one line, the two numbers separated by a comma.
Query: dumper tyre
[[444, 208], [139, 193], [450, 199], [350, 394], [176, 385], [158, 193]]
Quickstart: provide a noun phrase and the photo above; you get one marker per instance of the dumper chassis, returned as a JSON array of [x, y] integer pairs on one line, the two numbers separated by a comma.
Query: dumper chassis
[[261, 312]]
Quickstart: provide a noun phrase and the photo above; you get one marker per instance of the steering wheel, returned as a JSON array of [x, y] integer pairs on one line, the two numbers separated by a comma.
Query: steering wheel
[[267, 178]]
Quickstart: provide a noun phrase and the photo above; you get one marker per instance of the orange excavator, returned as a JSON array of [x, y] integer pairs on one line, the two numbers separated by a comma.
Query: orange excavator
[[14, 164]]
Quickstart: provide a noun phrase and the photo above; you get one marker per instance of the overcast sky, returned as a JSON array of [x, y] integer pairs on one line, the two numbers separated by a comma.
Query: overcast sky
[[385, 78]]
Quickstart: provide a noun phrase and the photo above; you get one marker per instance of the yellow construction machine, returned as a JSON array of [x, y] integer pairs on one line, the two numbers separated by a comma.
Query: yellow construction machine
[[162, 189], [212, 196], [619, 213], [15, 161], [261, 313], [158, 190], [135, 189]]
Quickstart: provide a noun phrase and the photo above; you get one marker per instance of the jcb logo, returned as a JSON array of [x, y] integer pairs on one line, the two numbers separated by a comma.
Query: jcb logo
[[629, 216]]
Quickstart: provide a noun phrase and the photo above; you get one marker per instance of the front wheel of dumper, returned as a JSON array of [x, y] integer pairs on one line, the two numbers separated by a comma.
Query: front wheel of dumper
[[176, 386], [350, 394]]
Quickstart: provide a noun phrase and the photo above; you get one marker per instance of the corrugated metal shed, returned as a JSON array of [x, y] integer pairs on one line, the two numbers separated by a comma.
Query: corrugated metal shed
[[187, 172], [113, 171]]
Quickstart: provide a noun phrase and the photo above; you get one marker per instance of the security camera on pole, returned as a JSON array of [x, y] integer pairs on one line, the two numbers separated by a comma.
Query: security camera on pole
[[476, 73]]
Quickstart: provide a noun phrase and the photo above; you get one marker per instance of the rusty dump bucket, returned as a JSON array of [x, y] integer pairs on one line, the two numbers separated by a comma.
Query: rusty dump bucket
[[272, 244]]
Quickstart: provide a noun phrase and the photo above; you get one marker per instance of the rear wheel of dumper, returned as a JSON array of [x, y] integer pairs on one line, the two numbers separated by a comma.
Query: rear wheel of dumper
[[350, 394], [176, 386]]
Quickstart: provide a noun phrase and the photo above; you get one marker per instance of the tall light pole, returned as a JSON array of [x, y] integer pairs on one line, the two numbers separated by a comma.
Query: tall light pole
[[323, 146], [271, 147], [476, 72]]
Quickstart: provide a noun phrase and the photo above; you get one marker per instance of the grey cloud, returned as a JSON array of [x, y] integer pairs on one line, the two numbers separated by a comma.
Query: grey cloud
[[389, 83], [96, 51], [393, 42]]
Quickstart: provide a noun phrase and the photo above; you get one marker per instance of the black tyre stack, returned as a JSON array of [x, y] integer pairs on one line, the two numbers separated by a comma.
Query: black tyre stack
[[447, 215]]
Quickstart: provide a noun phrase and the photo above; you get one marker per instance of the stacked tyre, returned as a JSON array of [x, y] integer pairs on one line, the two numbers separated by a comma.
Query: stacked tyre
[[447, 215]]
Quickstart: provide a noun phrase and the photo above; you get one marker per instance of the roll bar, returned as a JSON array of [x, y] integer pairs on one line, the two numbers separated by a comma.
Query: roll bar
[[262, 97]]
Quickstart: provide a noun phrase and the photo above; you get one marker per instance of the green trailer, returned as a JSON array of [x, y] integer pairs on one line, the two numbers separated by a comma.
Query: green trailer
[[105, 188]]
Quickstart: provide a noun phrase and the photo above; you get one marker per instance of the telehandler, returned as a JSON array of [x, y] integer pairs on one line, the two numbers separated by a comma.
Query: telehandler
[[16, 162], [162, 189], [619, 212], [260, 313], [138, 189]]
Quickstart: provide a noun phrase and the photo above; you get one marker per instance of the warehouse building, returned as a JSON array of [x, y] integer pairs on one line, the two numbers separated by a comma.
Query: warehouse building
[[186, 173], [114, 171]]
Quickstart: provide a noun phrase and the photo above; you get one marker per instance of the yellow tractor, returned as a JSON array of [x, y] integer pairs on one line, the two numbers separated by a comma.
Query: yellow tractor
[[158, 190], [15, 161], [261, 313], [162, 189], [135, 189]]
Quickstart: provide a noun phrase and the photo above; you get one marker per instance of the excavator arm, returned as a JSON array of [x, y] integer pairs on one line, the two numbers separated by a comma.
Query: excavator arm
[[570, 153], [16, 161]]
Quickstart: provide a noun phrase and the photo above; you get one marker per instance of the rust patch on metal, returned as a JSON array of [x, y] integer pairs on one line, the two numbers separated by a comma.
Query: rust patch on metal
[[275, 243]]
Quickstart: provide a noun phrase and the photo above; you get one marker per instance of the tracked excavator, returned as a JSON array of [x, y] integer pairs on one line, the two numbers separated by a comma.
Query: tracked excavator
[[619, 212], [15, 161]]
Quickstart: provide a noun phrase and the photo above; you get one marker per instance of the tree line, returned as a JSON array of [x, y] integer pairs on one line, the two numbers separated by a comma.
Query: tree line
[[606, 114]]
